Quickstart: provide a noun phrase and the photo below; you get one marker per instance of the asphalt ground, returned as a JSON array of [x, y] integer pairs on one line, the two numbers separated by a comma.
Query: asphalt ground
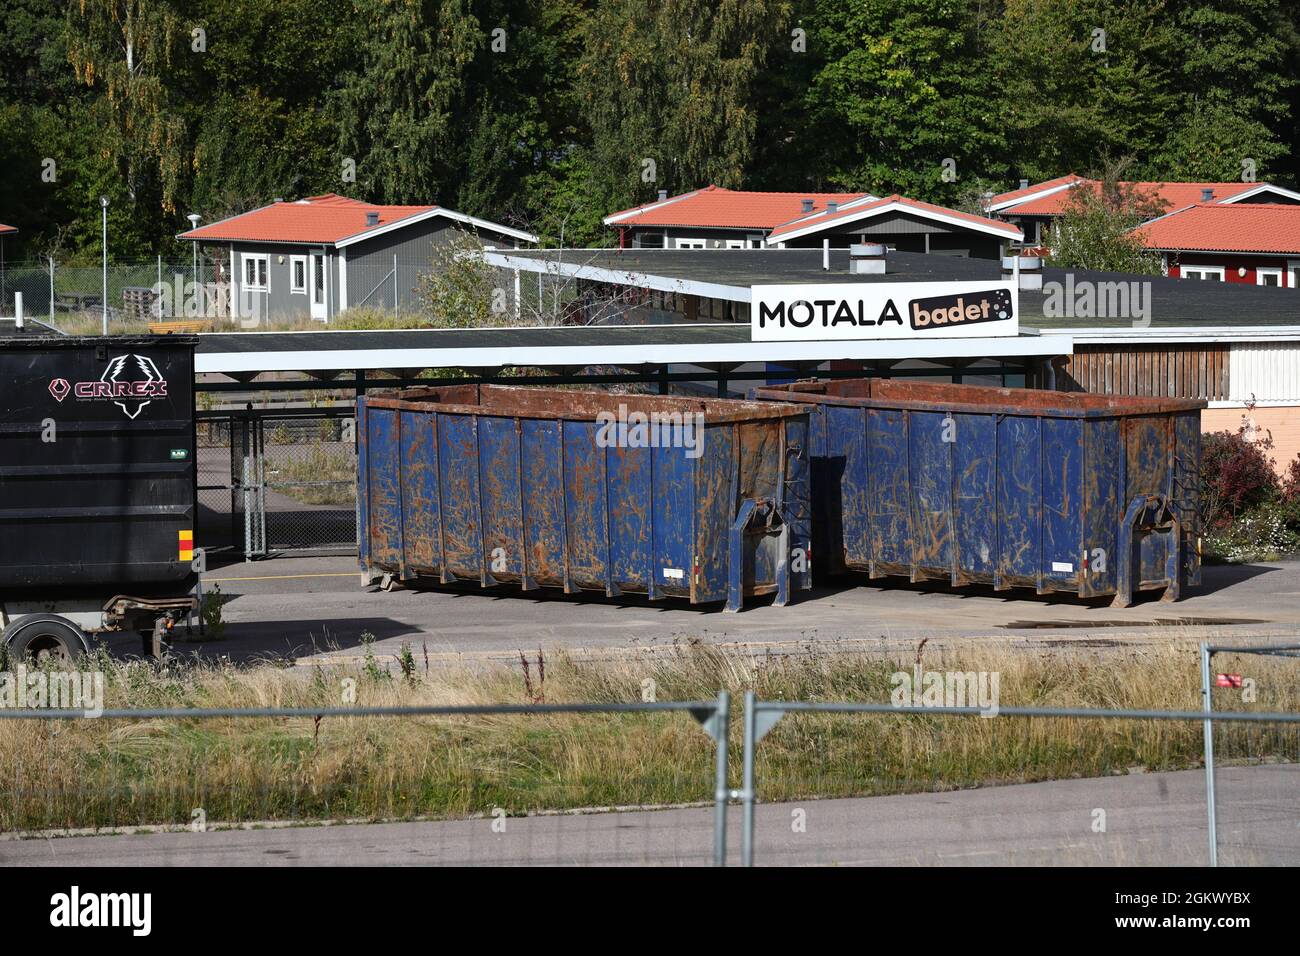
[[1131, 820], [309, 608]]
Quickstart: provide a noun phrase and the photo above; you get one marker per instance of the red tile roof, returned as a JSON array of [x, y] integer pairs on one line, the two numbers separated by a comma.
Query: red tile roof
[[1034, 189], [320, 220], [1236, 227], [5, 230], [715, 207], [1169, 195], [815, 222]]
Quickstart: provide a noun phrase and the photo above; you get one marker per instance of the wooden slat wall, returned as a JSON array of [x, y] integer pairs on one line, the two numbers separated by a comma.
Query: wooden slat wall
[[1156, 371]]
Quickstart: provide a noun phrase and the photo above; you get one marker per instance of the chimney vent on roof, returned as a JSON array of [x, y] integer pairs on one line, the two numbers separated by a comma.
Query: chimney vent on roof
[[832, 208], [805, 205], [1207, 195], [663, 194], [867, 258], [1024, 184], [372, 219]]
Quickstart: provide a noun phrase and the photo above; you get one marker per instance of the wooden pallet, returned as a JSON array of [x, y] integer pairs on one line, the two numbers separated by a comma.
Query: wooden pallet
[[180, 325]]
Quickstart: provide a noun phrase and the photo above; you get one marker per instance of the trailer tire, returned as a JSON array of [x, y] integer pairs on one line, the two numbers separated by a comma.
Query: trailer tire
[[43, 635]]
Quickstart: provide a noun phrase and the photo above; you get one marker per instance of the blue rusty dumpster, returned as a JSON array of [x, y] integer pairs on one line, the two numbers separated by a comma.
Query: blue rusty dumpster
[[1090, 494], [585, 491]]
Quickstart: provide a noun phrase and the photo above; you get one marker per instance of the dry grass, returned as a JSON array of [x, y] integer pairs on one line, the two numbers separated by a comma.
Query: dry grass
[[356, 319], [119, 773]]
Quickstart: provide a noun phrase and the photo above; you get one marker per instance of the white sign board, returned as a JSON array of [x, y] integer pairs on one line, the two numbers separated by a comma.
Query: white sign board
[[883, 310]]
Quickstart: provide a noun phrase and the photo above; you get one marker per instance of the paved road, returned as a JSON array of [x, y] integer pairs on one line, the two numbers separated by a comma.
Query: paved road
[[300, 607], [1150, 819]]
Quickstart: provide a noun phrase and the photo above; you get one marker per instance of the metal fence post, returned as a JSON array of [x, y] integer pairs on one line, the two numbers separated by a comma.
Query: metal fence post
[[720, 791], [1206, 705], [747, 784]]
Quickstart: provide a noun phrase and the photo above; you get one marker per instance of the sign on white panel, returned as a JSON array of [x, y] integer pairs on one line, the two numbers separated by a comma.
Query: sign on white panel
[[883, 310]]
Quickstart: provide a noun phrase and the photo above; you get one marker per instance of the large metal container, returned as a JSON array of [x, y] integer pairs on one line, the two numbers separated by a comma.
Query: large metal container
[[97, 473], [1090, 494], [536, 486]]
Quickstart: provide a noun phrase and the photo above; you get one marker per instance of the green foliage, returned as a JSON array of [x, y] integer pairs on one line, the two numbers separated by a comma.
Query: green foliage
[[550, 127], [906, 84], [210, 613], [1096, 231]]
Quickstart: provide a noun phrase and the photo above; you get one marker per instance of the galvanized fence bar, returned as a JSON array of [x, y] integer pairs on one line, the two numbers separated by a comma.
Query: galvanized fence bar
[[1208, 730], [712, 715], [762, 716]]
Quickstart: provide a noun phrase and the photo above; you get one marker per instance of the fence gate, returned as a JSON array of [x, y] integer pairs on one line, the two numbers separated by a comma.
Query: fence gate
[[284, 482]]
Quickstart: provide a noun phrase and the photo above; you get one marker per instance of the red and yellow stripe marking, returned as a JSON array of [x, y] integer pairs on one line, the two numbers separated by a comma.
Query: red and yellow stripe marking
[[186, 545]]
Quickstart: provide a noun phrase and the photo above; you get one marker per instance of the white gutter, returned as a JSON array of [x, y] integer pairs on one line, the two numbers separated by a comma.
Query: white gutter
[[1137, 336], [632, 354], [579, 270]]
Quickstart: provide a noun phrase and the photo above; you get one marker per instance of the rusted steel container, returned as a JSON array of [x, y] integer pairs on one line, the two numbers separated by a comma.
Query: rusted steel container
[[1089, 494], [700, 499]]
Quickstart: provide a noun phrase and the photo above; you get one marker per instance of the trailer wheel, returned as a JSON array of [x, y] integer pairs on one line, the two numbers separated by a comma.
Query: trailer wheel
[[42, 636]]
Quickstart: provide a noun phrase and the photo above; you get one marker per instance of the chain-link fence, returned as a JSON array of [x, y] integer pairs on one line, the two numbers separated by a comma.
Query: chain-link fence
[[477, 769], [472, 771], [139, 291], [277, 480]]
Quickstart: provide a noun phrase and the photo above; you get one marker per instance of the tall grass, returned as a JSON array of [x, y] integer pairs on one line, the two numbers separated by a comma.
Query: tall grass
[[102, 773]]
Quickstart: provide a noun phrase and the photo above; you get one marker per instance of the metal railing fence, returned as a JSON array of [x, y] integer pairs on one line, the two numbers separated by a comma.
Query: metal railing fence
[[760, 717], [713, 716]]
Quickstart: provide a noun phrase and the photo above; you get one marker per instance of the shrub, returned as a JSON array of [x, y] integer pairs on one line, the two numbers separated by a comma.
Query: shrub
[[1236, 476], [1260, 535], [1291, 482]]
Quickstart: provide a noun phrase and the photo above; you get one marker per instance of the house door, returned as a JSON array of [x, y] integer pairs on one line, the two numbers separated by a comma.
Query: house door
[[316, 286]]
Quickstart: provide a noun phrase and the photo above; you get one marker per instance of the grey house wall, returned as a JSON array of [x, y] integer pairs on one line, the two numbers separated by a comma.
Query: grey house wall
[[277, 300], [370, 262]]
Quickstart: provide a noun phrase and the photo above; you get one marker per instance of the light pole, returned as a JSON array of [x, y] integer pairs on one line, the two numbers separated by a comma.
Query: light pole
[[103, 205], [194, 272]]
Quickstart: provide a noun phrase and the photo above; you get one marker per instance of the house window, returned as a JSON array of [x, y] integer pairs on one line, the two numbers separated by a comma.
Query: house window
[[255, 273], [650, 240], [1268, 276], [1210, 273], [298, 274], [737, 244], [690, 243]]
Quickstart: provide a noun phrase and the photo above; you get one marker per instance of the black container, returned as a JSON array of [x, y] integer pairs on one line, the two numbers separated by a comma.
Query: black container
[[97, 470]]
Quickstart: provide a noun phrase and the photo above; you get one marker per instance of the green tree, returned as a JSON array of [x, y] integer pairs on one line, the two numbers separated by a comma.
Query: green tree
[[395, 114], [1083, 78], [122, 49], [1096, 231], [255, 101], [668, 88], [906, 85]]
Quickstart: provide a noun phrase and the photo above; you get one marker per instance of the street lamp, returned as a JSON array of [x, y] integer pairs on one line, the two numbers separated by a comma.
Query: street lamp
[[194, 271], [103, 205]]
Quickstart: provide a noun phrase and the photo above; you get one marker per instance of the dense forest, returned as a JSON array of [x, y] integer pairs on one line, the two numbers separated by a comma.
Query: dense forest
[[552, 113]]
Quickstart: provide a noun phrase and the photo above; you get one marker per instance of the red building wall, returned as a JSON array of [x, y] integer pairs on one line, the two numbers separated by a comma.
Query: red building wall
[[1232, 264]]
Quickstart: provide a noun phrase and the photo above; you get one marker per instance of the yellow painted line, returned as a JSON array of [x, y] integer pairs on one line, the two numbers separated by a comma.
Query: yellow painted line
[[289, 577]]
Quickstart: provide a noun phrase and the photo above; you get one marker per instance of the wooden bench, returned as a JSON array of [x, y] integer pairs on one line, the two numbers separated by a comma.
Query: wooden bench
[[179, 325]]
